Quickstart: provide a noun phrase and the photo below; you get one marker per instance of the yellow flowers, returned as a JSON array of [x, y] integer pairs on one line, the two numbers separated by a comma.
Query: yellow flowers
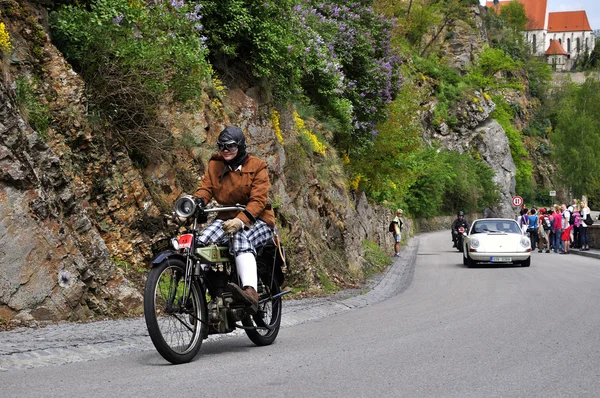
[[486, 96], [218, 88], [476, 100], [345, 158], [135, 4], [298, 122], [354, 182], [4, 39], [317, 146], [276, 127]]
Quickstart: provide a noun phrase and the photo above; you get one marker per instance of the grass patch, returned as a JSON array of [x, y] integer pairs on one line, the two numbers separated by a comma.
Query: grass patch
[[328, 285], [376, 260], [36, 113]]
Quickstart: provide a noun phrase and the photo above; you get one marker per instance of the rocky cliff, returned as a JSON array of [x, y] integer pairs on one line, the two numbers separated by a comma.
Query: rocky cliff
[[78, 214], [475, 131]]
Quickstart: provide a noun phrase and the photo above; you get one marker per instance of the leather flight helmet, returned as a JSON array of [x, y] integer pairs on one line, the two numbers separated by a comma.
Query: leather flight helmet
[[233, 134]]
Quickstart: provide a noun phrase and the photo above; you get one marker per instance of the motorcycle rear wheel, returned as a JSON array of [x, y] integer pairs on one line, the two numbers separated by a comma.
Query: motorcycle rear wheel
[[176, 329], [268, 317]]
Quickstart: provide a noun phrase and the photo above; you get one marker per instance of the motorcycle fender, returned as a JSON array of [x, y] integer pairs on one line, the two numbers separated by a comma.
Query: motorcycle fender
[[160, 257]]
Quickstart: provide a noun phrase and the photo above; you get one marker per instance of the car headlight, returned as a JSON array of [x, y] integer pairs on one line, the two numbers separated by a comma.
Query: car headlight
[[185, 206], [474, 243], [525, 242]]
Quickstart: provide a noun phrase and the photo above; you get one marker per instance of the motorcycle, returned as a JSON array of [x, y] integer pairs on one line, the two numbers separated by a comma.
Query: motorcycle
[[185, 299], [459, 238]]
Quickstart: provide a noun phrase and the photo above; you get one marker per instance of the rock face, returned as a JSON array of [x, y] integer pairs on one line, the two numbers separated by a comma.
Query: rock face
[[492, 143], [77, 215], [53, 263], [475, 130], [465, 43]]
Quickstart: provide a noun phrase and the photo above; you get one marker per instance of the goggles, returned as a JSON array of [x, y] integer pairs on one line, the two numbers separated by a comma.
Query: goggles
[[230, 146]]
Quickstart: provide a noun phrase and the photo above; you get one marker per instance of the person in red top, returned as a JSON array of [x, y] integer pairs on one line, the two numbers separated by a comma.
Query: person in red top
[[232, 177], [557, 228]]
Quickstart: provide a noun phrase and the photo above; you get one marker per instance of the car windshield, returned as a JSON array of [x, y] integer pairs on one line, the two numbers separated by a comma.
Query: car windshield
[[485, 226]]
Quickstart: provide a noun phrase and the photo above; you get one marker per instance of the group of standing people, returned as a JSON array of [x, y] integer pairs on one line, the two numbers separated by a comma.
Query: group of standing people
[[558, 228]]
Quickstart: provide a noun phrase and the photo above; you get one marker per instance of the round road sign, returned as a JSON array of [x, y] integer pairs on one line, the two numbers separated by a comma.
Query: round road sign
[[517, 201]]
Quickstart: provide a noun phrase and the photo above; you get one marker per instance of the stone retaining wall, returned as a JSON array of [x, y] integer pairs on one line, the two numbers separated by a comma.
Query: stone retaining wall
[[594, 235]]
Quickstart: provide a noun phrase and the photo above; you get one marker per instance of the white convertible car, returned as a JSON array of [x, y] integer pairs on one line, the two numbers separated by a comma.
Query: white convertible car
[[496, 240]]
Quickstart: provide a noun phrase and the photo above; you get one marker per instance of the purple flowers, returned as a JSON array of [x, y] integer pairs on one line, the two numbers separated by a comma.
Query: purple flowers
[[350, 57], [177, 3], [194, 15]]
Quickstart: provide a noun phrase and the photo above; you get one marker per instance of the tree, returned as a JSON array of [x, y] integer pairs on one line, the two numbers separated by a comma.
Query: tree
[[514, 15], [577, 138]]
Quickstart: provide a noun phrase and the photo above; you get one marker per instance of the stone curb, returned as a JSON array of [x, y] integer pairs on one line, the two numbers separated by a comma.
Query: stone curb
[[589, 253], [67, 343]]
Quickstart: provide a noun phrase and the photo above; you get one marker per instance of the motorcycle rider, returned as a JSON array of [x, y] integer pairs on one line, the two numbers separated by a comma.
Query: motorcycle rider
[[233, 176], [456, 224]]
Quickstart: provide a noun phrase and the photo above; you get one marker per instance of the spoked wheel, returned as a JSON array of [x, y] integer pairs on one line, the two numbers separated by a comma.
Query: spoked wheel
[[176, 321], [268, 318]]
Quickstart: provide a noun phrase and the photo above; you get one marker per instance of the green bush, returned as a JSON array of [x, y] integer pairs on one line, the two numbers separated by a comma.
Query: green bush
[[256, 38], [446, 181], [131, 55]]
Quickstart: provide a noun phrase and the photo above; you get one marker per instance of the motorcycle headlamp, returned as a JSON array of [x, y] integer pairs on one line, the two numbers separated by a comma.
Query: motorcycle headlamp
[[185, 206]]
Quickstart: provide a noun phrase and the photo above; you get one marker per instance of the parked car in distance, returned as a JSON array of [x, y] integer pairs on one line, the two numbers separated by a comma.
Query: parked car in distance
[[496, 240]]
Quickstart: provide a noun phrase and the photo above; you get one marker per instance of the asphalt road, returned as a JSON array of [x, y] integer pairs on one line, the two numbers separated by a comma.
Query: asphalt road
[[491, 331]]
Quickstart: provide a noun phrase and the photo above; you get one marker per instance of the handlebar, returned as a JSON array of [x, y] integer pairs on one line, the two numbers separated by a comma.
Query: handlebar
[[237, 207]]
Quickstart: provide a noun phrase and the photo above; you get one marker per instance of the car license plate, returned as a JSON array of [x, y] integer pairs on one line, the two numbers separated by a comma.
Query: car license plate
[[500, 259]]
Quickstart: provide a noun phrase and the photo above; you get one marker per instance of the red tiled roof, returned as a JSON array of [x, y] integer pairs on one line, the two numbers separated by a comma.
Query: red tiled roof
[[555, 49], [568, 21], [534, 9]]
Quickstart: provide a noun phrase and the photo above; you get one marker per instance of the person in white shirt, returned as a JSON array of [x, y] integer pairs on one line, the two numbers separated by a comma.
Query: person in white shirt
[[585, 210], [566, 228]]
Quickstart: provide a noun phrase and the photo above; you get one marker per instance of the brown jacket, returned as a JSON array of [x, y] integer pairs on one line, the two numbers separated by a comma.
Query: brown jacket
[[249, 187]]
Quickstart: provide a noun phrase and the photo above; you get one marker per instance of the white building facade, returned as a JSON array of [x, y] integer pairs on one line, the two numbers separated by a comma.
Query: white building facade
[[570, 28]]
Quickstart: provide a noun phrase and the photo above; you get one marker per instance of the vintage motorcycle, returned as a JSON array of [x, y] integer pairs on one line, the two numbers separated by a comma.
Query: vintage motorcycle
[[185, 299]]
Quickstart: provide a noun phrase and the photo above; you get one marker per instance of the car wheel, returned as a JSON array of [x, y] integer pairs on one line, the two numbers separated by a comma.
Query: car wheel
[[526, 263], [464, 259], [470, 263]]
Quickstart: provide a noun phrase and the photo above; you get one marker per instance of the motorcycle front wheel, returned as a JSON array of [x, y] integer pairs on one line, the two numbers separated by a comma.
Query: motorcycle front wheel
[[267, 320], [175, 314]]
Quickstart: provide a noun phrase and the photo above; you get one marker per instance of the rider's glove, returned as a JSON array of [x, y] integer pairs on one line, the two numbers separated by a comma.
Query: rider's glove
[[233, 225], [199, 201]]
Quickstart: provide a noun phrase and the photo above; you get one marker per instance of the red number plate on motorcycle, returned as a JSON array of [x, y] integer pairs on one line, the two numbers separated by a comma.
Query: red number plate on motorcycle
[[185, 241]]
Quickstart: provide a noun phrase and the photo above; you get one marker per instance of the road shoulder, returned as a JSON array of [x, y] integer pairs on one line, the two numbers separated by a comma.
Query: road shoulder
[[63, 343]]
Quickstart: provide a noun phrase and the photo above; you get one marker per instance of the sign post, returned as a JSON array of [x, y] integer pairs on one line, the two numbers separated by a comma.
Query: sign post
[[517, 201], [552, 193]]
